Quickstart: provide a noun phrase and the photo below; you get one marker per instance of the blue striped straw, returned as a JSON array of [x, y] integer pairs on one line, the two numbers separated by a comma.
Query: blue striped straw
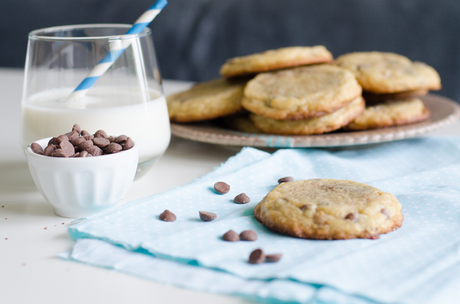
[[141, 23]]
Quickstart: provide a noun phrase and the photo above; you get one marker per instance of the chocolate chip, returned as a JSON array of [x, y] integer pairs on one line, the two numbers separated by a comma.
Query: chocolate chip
[[67, 147], [167, 216], [84, 146], [242, 199], [62, 138], [101, 142], [84, 133], [231, 236], [78, 141], [305, 207], [120, 139], [248, 235], [385, 212], [76, 128], [36, 148], [221, 187], [49, 150], [53, 141], [113, 148], [128, 144], [351, 217], [59, 153], [111, 138], [72, 135], [82, 154], [286, 179], [101, 133], [94, 150], [206, 216], [257, 257], [320, 218], [88, 137], [273, 258]]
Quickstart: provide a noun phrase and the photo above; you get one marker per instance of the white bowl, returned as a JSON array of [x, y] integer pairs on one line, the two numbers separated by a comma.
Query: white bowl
[[79, 187]]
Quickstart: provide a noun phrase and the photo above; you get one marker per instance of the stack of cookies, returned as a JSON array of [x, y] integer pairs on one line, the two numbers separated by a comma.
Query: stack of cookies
[[391, 86], [301, 91]]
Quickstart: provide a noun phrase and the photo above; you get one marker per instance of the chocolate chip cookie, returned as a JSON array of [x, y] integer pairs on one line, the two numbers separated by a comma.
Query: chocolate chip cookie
[[326, 123], [275, 59], [300, 93], [206, 100], [387, 73], [390, 113], [329, 209]]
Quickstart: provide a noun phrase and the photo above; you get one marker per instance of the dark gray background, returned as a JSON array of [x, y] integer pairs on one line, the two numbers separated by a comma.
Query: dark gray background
[[193, 38]]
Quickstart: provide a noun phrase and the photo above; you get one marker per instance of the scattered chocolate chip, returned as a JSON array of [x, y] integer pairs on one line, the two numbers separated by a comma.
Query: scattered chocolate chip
[[221, 187], [37, 148], [286, 179], [352, 217], [46, 228], [6, 239], [257, 257], [248, 235], [206, 216], [273, 258], [242, 199], [167, 216], [231, 236], [385, 212]]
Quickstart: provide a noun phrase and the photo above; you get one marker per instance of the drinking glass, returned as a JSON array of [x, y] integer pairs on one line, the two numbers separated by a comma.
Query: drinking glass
[[127, 99]]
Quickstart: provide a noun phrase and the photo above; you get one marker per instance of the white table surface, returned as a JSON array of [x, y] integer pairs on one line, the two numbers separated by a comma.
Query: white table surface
[[29, 270]]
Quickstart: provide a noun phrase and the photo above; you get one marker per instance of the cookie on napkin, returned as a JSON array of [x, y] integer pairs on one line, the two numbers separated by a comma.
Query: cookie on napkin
[[275, 59], [206, 100], [300, 93], [329, 209]]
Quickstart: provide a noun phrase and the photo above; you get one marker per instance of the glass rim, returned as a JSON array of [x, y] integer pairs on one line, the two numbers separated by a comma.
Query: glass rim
[[40, 34]]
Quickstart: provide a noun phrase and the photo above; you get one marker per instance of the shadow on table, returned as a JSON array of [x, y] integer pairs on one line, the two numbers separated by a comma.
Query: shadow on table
[[16, 177]]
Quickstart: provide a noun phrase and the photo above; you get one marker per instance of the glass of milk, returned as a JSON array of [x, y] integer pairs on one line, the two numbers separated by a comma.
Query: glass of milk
[[127, 99]]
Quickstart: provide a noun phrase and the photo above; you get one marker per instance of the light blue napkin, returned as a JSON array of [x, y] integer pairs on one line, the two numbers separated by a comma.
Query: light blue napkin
[[418, 263]]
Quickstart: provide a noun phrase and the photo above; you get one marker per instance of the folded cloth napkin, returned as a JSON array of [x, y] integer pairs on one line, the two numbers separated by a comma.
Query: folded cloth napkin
[[418, 263]]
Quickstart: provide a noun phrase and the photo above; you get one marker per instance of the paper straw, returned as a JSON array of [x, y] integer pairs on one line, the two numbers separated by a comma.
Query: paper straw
[[141, 23]]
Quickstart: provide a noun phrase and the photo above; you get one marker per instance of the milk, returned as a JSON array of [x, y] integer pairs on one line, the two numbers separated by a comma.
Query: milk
[[115, 110]]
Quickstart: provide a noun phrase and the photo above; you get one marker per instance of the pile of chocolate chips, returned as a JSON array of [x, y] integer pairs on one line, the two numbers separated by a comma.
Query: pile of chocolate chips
[[79, 143]]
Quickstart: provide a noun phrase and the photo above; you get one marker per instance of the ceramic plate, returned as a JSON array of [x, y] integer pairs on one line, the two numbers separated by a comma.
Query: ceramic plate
[[444, 112]]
